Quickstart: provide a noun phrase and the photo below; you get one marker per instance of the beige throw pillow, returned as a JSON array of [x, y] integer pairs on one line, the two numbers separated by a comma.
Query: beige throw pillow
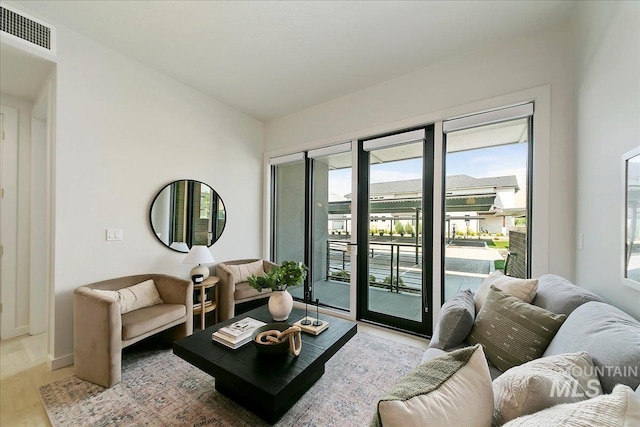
[[134, 297], [621, 408], [513, 332], [241, 272], [543, 383], [523, 289], [449, 390]]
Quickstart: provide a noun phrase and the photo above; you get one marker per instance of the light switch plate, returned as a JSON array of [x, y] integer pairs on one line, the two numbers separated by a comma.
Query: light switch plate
[[114, 234]]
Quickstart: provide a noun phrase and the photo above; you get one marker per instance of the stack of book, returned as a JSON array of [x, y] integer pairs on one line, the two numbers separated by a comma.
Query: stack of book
[[238, 333]]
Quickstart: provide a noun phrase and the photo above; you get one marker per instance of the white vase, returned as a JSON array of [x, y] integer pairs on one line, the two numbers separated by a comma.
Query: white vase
[[280, 305]]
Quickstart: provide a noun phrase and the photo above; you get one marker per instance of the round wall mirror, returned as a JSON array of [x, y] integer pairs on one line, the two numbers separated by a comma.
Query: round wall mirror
[[187, 213]]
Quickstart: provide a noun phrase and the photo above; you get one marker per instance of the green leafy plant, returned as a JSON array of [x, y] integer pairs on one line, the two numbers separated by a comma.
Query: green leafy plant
[[278, 278], [397, 281], [342, 275]]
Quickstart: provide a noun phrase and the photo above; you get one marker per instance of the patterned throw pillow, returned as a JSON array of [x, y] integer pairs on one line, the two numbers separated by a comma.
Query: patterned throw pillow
[[513, 332], [621, 408], [449, 390], [523, 289], [543, 383]]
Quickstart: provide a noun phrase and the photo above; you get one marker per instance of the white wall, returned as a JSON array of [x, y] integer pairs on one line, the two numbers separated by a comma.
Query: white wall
[[505, 68], [123, 132], [607, 89], [19, 321]]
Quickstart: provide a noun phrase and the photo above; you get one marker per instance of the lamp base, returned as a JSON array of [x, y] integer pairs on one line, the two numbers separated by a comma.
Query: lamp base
[[201, 269]]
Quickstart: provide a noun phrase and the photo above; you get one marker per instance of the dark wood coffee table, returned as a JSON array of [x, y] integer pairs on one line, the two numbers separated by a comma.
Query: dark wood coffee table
[[267, 386]]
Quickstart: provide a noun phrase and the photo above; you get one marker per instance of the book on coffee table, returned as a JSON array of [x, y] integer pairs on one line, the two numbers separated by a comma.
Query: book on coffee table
[[238, 333], [219, 338]]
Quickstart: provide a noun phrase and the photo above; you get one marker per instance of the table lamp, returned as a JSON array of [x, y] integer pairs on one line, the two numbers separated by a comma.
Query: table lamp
[[199, 255]]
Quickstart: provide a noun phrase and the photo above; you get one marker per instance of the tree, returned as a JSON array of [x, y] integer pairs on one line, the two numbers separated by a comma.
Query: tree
[[399, 228], [409, 229]]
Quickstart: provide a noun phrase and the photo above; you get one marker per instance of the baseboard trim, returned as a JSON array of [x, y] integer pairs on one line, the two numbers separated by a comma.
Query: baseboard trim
[[60, 362]]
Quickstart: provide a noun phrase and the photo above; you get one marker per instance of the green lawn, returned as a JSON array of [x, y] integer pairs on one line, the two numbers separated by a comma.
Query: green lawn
[[497, 244]]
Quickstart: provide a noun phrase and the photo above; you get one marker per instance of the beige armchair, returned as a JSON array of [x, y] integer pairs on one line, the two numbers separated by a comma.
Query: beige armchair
[[234, 288], [101, 332]]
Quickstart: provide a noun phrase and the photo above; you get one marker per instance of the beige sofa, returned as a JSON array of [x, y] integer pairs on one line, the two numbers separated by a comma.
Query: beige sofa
[[101, 332], [234, 288]]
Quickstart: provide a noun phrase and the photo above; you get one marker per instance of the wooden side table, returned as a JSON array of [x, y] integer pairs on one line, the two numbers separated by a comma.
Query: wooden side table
[[206, 305]]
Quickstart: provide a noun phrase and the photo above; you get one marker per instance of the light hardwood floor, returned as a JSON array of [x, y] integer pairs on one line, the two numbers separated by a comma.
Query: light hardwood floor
[[23, 369]]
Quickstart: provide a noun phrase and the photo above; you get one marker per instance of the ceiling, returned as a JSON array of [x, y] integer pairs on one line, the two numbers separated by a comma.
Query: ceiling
[[271, 58]]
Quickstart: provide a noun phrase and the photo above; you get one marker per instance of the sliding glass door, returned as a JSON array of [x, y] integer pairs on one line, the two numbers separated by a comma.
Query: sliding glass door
[[312, 221], [375, 244], [331, 226], [395, 201]]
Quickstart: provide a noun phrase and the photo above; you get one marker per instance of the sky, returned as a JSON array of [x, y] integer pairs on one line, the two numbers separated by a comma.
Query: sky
[[500, 160]]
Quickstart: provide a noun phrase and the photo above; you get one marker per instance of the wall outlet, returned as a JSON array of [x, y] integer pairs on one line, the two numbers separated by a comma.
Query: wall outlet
[[114, 234]]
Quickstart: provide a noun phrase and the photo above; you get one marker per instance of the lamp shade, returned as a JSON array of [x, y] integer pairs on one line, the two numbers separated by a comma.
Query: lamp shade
[[199, 255]]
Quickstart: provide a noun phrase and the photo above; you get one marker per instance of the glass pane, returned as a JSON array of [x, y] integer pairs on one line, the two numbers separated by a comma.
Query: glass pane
[[289, 216], [395, 226], [632, 223], [485, 225], [331, 276]]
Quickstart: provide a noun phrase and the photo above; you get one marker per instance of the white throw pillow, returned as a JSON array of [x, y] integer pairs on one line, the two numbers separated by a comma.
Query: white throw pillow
[[621, 408], [543, 383], [144, 294], [449, 390], [523, 289]]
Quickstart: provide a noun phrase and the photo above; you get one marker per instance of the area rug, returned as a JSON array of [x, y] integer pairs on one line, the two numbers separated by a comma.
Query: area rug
[[160, 389]]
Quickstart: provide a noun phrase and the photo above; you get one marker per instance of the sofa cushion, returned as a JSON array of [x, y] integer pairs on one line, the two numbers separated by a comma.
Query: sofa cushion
[[513, 332], [560, 296], [241, 272], [134, 297], [455, 321], [543, 383], [523, 289], [610, 336], [618, 409], [138, 322], [453, 389]]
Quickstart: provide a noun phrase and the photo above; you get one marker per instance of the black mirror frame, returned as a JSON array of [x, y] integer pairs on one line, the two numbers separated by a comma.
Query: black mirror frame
[[150, 210]]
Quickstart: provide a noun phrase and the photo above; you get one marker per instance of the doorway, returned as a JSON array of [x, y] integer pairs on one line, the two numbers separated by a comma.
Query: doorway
[[395, 201], [9, 223]]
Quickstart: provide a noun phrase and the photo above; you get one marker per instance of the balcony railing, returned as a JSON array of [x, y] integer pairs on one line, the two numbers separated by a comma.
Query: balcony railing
[[394, 266]]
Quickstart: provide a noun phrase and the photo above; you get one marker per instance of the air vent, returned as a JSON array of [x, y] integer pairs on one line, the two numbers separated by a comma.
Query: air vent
[[27, 29]]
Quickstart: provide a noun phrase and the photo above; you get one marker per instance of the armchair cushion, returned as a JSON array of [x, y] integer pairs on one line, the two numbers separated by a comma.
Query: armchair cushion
[[134, 297], [138, 322]]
